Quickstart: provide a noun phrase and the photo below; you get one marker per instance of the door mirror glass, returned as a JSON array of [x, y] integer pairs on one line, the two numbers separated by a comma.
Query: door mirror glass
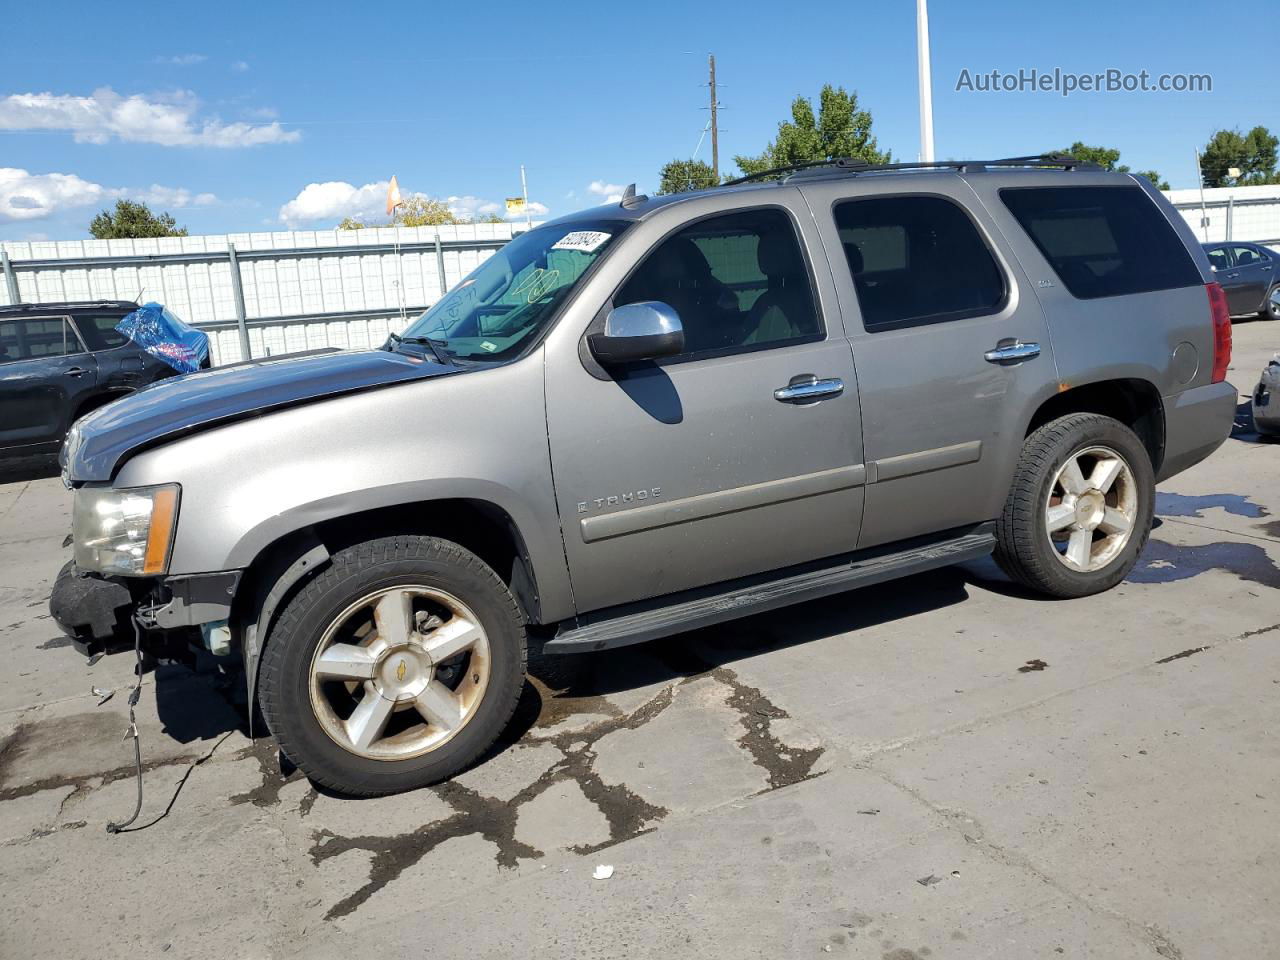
[[638, 331]]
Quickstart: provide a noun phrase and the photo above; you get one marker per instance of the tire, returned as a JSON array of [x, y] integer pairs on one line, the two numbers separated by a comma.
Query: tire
[[1089, 553], [359, 638], [1271, 305]]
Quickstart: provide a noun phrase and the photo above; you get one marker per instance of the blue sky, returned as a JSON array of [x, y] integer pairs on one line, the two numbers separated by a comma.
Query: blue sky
[[225, 113]]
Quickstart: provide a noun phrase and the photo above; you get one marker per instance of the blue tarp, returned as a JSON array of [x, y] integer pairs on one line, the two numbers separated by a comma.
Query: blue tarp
[[163, 335]]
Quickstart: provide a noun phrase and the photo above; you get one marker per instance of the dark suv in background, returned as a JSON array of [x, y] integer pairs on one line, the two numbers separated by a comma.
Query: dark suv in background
[[58, 361]]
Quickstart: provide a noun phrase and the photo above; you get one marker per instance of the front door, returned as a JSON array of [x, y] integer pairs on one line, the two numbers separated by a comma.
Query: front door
[[702, 468], [949, 356], [1247, 280], [45, 372]]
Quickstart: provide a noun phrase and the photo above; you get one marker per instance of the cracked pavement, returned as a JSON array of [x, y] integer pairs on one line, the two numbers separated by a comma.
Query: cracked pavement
[[938, 767]]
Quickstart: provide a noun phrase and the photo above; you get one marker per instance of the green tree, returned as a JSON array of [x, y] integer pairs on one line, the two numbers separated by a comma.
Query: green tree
[[839, 129], [681, 176], [1108, 158], [1252, 153], [420, 211], [415, 211], [132, 219]]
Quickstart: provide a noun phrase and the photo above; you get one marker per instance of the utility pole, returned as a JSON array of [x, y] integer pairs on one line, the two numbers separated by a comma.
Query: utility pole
[[926, 84], [715, 133]]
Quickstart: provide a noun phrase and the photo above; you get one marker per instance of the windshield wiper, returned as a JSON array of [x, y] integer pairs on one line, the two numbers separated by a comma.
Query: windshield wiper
[[435, 346]]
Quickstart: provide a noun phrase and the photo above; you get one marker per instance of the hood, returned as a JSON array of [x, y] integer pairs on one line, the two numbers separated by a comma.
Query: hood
[[99, 442]]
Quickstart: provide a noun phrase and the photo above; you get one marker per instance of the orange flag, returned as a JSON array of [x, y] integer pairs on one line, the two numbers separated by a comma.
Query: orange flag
[[393, 195]]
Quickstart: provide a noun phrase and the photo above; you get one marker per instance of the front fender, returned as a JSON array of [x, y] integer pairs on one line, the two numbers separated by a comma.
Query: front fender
[[480, 436]]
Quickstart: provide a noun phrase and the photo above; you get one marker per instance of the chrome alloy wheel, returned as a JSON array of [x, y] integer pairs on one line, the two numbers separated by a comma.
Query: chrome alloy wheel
[[1273, 302], [399, 672], [1092, 509]]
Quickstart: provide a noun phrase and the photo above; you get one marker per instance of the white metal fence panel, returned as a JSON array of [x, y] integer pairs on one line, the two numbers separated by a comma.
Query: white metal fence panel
[[301, 289]]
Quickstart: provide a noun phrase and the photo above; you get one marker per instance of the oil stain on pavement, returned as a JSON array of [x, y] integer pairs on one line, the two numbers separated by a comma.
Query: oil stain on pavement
[[1168, 563], [627, 814], [1179, 505]]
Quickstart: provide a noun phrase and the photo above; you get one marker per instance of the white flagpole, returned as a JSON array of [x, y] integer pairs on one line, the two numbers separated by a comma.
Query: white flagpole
[[524, 189], [926, 86]]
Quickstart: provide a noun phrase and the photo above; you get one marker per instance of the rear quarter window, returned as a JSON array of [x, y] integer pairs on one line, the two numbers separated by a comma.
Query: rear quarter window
[[1103, 241], [99, 330]]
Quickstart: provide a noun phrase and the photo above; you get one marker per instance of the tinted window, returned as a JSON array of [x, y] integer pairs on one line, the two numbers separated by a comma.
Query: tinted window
[[916, 260], [1103, 241], [1218, 258], [737, 281], [1248, 256], [99, 330], [32, 339]]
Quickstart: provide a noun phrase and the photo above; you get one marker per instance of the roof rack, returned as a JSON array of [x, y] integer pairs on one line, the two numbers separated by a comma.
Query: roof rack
[[849, 165]]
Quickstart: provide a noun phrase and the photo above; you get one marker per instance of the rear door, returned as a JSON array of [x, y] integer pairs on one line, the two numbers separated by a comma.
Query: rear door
[[695, 469], [45, 374], [952, 351]]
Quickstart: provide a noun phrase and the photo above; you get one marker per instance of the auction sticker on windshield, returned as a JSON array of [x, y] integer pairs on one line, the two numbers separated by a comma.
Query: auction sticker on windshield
[[588, 241]]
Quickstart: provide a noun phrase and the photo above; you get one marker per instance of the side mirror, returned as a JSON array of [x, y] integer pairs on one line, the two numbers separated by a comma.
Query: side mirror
[[638, 331]]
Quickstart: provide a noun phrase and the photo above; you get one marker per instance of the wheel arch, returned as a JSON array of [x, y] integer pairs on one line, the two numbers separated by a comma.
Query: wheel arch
[[1133, 401], [281, 568]]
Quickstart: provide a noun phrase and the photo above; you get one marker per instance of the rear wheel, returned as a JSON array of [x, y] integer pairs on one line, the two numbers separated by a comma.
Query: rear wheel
[[1079, 511], [396, 667], [1271, 306]]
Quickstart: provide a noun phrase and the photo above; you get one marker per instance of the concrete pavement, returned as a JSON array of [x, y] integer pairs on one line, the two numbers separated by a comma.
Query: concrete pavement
[[940, 767]]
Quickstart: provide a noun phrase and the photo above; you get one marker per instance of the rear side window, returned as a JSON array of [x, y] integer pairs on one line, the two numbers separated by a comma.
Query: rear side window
[[1103, 241], [99, 330], [917, 260]]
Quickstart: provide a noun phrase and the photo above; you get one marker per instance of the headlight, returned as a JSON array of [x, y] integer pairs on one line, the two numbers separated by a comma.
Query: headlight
[[124, 532]]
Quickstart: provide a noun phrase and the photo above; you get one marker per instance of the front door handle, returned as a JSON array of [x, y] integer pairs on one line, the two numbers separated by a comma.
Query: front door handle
[[807, 388], [76, 371], [1012, 351]]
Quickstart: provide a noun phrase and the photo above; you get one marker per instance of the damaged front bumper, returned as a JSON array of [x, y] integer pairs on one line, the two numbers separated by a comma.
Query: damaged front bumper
[[97, 612]]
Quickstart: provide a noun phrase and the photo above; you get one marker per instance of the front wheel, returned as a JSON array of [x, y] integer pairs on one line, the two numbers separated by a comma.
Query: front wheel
[[1079, 511], [395, 667]]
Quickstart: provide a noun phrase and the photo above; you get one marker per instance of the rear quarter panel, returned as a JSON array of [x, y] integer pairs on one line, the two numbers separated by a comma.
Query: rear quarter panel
[[1128, 337]]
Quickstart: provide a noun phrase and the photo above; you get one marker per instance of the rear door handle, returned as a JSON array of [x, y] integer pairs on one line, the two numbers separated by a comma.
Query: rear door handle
[[1012, 351], [76, 371], [1232, 276], [807, 388]]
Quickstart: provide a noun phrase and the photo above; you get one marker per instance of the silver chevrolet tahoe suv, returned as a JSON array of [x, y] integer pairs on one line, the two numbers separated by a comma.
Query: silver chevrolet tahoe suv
[[653, 416]]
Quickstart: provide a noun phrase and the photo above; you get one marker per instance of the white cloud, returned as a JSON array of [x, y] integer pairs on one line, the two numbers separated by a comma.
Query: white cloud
[[32, 196], [105, 115], [183, 59], [27, 196], [239, 66], [611, 192], [337, 199], [169, 197]]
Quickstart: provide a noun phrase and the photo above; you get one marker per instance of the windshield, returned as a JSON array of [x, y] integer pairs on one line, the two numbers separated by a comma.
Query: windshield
[[507, 300]]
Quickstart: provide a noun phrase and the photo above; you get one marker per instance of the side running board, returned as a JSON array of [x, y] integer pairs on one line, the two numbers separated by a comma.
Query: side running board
[[636, 623]]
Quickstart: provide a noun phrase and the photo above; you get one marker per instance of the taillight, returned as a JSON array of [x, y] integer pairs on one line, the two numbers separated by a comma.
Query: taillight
[[1221, 331]]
